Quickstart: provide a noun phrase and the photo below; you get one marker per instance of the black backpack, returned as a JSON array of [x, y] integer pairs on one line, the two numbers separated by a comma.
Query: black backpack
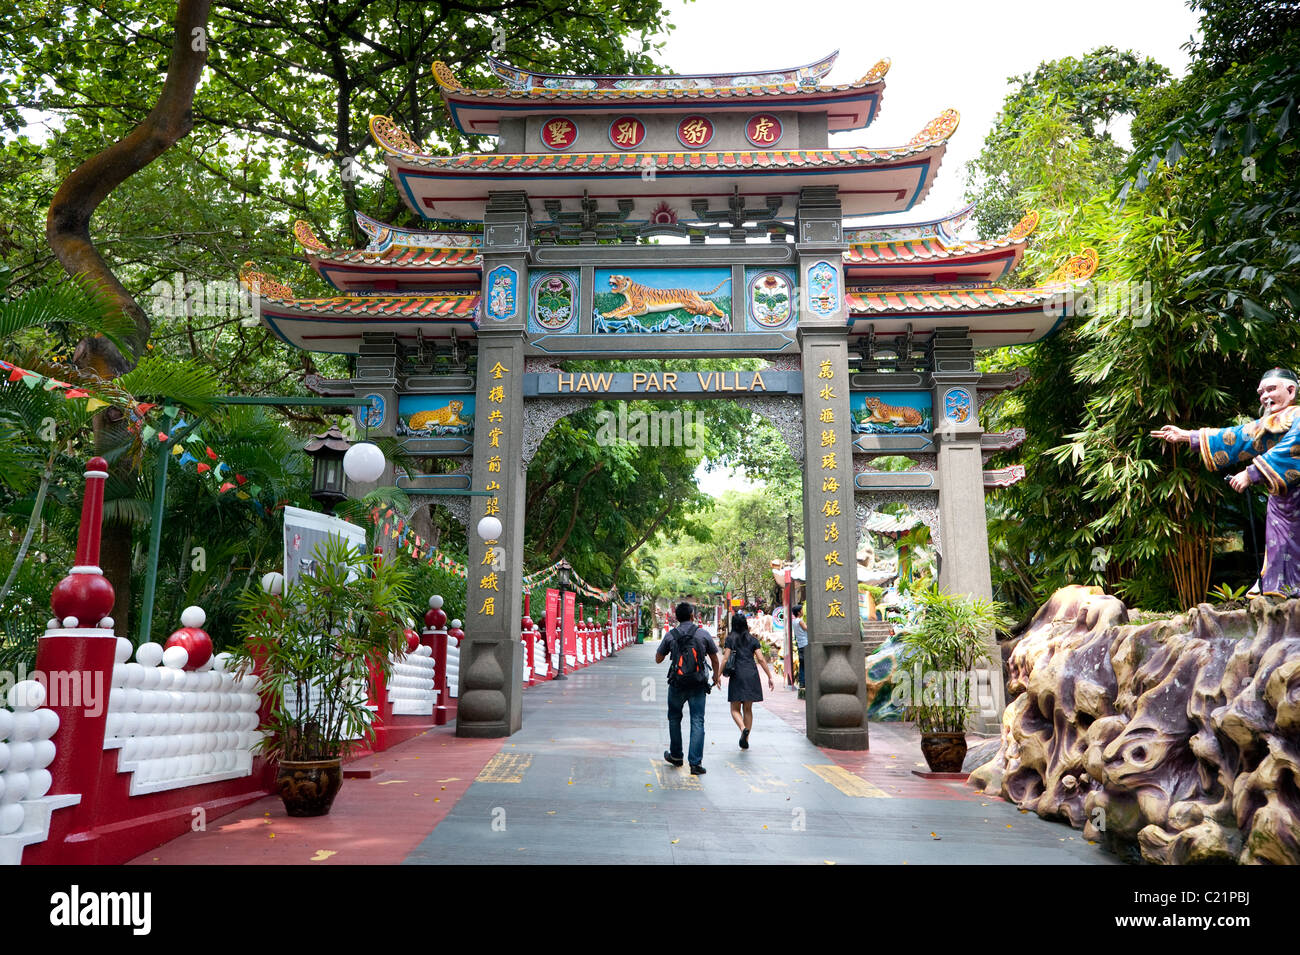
[[688, 667]]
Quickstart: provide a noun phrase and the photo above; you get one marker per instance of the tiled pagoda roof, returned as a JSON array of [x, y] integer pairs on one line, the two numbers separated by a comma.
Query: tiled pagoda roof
[[851, 105], [913, 259]]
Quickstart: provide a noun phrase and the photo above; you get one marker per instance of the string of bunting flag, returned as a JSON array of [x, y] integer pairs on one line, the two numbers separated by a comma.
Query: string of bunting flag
[[189, 450], [396, 528]]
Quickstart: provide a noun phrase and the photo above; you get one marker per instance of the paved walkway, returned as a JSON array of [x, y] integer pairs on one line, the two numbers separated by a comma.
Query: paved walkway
[[584, 782]]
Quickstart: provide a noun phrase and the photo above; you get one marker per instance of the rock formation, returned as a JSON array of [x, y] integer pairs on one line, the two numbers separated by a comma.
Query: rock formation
[[1179, 739]]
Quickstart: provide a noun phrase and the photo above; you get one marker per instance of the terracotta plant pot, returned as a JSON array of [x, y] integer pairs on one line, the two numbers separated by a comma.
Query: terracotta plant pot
[[944, 752], [308, 788]]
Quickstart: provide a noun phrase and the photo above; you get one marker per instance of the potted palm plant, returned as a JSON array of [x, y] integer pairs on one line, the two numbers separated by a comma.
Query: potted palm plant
[[950, 636], [314, 648]]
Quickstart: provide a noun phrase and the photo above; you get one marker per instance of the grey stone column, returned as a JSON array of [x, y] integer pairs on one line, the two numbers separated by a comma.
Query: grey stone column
[[491, 667], [378, 368], [964, 567], [836, 695]]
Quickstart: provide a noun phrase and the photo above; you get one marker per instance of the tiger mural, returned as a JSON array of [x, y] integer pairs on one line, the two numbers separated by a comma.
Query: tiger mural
[[448, 417], [900, 416], [643, 300]]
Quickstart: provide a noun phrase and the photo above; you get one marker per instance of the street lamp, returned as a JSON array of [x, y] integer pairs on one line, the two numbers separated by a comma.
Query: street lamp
[[329, 483], [563, 570]]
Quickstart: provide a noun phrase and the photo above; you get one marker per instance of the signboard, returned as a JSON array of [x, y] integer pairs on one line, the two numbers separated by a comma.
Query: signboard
[[570, 628], [662, 384], [552, 618]]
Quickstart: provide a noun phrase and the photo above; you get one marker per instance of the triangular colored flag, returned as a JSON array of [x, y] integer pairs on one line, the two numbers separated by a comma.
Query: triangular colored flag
[[142, 409], [31, 380], [255, 490], [212, 455], [94, 404], [162, 437], [226, 486], [203, 467], [241, 479], [186, 457], [177, 449], [241, 495], [148, 433], [76, 393], [17, 374]]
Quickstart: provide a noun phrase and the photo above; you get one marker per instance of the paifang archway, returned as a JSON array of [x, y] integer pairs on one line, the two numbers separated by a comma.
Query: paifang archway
[[545, 250]]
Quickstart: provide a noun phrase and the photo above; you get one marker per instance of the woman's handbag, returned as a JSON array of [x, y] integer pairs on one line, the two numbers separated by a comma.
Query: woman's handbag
[[729, 668]]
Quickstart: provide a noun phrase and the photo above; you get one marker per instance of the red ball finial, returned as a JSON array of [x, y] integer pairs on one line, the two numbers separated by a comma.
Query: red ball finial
[[85, 593]]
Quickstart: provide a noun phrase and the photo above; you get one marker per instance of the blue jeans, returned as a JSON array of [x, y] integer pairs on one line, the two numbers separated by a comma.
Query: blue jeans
[[802, 667], [676, 700]]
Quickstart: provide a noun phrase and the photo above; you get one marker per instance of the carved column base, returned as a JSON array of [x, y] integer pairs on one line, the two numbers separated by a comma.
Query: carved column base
[[837, 695], [490, 705]]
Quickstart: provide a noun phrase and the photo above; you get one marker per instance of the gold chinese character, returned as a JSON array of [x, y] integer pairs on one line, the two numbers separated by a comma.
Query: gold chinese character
[[489, 557], [828, 439], [695, 132], [831, 508], [763, 130], [836, 609], [558, 130], [494, 463], [827, 416], [832, 533], [495, 415], [491, 508], [627, 133], [497, 394], [828, 462], [826, 371], [498, 370], [830, 485], [833, 583], [834, 558], [827, 393], [489, 607], [492, 486], [491, 580], [495, 437]]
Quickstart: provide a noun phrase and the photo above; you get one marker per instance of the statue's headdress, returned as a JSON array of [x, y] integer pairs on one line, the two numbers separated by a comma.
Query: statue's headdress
[[1282, 374]]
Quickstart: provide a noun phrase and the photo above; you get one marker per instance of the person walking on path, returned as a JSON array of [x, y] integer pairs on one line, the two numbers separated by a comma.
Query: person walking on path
[[688, 683], [800, 641], [744, 688]]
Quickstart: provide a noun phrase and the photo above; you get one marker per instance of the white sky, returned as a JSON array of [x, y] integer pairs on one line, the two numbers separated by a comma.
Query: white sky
[[945, 53]]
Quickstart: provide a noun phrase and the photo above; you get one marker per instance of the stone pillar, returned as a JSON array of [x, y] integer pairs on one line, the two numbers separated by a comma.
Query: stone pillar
[[964, 564], [491, 670], [377, 373], [836, 694]]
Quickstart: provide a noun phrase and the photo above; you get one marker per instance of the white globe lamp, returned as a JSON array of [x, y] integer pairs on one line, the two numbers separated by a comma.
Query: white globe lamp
[[363, 463], [489, 529]]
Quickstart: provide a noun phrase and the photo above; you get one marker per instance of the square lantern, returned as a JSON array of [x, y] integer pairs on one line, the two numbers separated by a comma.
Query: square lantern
[[329, 485]]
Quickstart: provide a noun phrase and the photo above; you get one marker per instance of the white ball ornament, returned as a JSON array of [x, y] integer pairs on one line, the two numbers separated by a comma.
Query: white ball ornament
[[107, 623], [456, 624], [272, 583], [122, 652], [6, 725], [39, 782], [363, 463], [193, 617], [71, 623], [11, 819], [16, 786], [149, 654], [4, 757], [435, 602], [27, 695], [175, 658]]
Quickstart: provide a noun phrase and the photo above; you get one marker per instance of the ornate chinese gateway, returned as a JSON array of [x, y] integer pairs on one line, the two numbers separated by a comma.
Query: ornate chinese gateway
[[670, 216]]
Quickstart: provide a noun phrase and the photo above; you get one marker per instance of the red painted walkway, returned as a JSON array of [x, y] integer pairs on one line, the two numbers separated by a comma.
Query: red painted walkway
[[376, 821]]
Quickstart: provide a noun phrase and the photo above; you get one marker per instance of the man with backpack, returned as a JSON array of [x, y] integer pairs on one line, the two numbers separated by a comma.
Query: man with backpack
[[688, 683]]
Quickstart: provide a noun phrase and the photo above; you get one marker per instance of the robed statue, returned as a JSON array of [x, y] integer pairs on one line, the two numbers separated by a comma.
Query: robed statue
[[1270, 449]]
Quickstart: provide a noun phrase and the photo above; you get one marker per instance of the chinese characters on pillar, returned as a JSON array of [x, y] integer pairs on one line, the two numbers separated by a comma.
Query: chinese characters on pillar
[[830, 502], [489, 582]]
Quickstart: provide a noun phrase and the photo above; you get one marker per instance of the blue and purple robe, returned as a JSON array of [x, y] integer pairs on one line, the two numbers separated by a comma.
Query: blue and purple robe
[[1271, 448]]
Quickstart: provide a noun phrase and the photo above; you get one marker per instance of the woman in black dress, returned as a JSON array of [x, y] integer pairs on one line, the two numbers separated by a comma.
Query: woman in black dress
[[744, 688]]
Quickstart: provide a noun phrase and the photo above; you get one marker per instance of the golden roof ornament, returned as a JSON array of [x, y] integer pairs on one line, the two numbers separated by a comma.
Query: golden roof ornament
[[1024, 227], [877, 72], [302, 231], [260, 283], [387, 133], [937, 130], [1076, 268]]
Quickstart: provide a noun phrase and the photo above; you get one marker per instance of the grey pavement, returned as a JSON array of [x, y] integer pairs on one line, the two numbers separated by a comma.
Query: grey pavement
[[584, 781]]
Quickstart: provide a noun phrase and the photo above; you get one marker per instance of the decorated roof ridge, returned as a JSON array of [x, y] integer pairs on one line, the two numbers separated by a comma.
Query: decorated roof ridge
[[517, 77], [268, 287], [929, 297], [936, 247], [446, 235], [716, 86], [406, 256], [463, 307], [395, 142]]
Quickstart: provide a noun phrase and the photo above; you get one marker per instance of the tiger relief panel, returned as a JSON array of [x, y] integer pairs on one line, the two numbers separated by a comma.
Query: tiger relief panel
[[638, 300], [435, 416]]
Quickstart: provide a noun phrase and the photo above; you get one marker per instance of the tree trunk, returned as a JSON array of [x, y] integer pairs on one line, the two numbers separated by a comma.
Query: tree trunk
[[67, 228]]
